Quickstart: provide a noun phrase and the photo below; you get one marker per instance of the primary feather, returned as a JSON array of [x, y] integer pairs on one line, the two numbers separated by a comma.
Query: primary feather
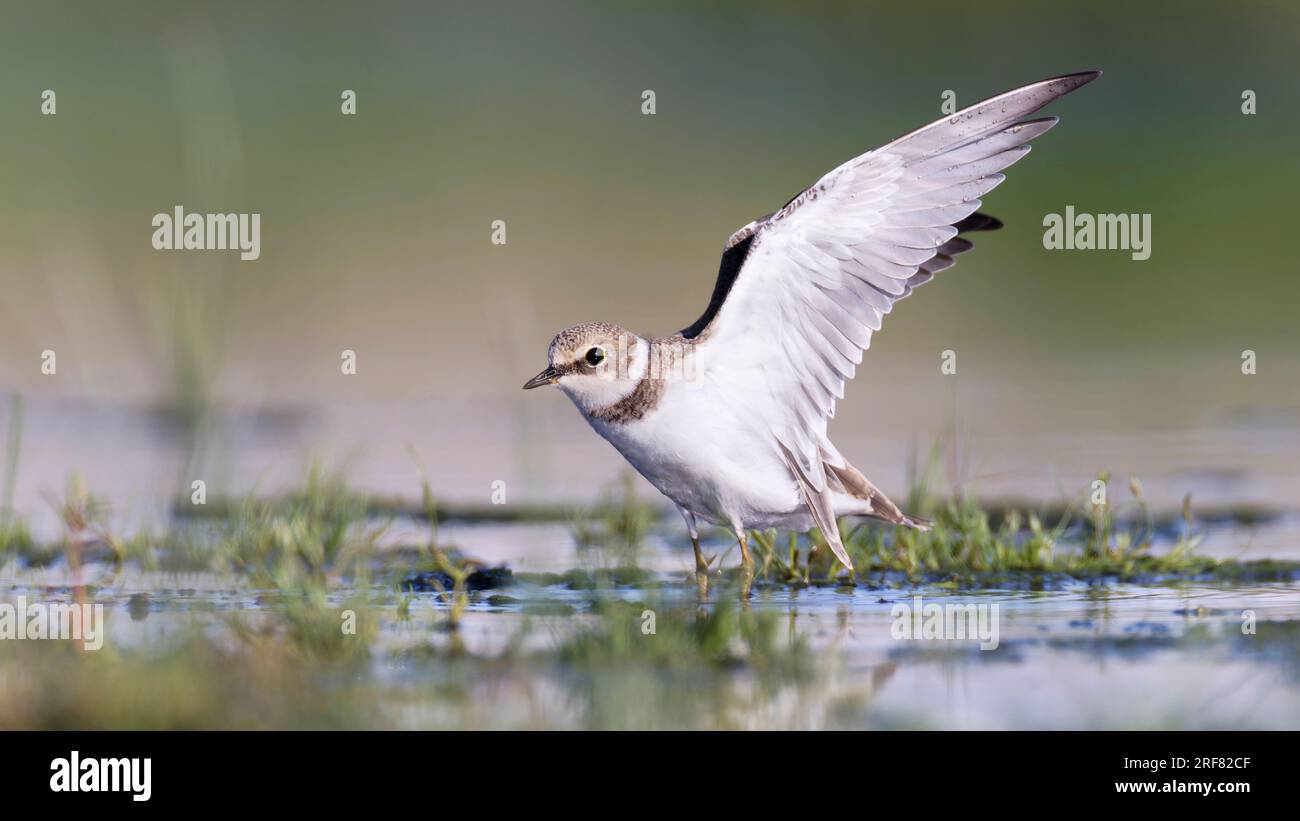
[[801, 291]]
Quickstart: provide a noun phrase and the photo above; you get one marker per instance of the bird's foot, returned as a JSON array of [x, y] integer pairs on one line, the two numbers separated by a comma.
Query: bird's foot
[[746, 582], [747, 573], [701, 570], [702, 563], [746, 569]]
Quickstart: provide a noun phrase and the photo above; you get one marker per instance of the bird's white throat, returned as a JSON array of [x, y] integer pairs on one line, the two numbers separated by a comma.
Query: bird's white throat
[[625, 368]]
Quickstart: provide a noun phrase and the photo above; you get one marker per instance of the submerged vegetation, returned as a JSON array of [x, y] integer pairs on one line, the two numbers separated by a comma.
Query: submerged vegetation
[[321, 607], [324, 531], [1085, 541]]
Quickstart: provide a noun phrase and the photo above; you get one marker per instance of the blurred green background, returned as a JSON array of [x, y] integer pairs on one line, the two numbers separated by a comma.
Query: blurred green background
[[376, 229]]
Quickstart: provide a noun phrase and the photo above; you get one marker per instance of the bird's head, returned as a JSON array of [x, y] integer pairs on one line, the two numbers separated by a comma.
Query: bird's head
[[595, 363]]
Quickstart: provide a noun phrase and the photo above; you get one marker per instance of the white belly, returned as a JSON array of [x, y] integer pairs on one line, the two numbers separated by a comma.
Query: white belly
[[700, 456]]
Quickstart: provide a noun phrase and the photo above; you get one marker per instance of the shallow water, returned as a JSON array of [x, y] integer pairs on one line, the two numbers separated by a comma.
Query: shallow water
[[1074, 655]]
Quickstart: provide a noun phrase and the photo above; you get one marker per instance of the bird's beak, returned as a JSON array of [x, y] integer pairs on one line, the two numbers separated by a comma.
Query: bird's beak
[[547, 377]]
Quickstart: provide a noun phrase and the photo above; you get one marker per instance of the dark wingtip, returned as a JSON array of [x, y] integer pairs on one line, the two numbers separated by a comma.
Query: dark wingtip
[[977, 222], [1078, 78]]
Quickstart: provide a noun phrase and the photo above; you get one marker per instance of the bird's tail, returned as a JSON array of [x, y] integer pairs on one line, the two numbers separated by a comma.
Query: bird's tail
[[852, 482], [916, 522]]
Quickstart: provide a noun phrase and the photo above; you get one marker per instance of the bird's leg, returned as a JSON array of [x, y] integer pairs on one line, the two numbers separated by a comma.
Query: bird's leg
[[701, 565], [745, 558], [747, 570], [701, 569]]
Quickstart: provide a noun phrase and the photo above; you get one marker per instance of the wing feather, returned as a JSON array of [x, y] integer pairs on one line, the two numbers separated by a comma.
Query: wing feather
[[802, 290]]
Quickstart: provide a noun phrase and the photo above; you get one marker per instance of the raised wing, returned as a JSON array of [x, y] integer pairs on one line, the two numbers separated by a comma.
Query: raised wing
[[800, 291]]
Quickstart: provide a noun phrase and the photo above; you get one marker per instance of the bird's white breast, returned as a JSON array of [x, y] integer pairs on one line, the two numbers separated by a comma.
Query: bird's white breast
[[700, 454]]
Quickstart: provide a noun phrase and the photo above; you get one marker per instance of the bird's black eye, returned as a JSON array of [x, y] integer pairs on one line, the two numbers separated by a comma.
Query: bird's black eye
[[595, 356]]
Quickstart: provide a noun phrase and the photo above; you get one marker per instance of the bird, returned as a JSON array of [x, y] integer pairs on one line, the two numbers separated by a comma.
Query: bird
[[728, 417]]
